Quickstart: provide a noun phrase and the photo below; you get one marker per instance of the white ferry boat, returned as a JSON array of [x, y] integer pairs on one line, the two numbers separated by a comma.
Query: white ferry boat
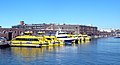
[[64, 37]]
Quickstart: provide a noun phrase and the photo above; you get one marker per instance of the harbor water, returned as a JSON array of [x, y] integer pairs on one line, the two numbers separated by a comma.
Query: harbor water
[[102, 51]]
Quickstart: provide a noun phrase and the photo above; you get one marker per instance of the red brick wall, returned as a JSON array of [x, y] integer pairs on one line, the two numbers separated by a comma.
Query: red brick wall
[[15, 32]]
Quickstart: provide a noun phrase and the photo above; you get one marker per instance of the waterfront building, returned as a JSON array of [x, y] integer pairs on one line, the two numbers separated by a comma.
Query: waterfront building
[[16, 30], [31, 26], [76, 29]]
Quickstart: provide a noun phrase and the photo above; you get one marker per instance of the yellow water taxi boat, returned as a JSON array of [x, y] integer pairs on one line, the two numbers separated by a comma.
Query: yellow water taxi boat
[[81, 38], [86, 38], [29, 41], [52, 40]]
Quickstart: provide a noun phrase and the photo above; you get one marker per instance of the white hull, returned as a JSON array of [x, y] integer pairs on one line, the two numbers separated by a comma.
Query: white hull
[[117, 36], [64, 37], [67, 39]]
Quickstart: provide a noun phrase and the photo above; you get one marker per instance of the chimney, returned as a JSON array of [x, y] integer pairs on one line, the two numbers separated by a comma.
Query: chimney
[[21, 22]]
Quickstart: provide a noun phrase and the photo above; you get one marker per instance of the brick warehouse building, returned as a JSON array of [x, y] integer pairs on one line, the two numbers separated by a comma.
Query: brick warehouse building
[[76, 29], [22, 25], [16, 30]]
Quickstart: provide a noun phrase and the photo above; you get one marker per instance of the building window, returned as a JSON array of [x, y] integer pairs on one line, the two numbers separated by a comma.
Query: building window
[[76, 27], [4, 32], [15, 32], [20, 32]]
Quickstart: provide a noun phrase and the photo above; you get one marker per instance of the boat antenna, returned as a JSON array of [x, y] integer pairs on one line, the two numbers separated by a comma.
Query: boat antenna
[[59, 29]]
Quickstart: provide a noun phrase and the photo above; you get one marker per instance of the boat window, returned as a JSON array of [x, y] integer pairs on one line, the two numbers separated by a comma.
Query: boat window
[[62, 37], [118, 32], [48, 38], [34, 40], [26, 39], [62, 33], [27, 33], [79, 36]]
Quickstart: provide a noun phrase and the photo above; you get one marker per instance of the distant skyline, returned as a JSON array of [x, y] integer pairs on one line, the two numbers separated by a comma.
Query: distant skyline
[[100, 13]]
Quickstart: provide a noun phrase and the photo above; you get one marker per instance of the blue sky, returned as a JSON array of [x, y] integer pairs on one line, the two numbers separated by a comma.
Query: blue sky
[[101, 13]]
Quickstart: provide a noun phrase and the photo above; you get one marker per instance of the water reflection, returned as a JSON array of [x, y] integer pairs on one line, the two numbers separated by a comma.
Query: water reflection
[[29, 54], [96, 52], [45, 55], [32, 53]]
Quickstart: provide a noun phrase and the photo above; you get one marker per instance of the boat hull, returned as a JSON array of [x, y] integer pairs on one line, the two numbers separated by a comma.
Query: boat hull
[[4, 45], [117, 37], [25, 45], [68, 41]]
